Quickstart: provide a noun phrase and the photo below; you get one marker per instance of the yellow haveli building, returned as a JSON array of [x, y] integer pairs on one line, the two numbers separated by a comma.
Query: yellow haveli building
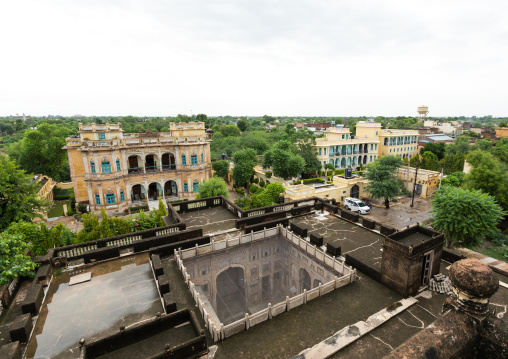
[[342, 151], [113, 170], [403, 143]]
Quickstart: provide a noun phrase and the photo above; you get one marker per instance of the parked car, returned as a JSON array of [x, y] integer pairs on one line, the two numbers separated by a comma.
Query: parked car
[[355, 205]]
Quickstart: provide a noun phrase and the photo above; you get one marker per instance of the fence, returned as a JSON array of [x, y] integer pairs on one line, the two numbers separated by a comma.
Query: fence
[[219, 331]]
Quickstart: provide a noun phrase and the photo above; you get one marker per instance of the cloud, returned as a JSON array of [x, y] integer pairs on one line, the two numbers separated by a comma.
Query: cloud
[[244, 57]]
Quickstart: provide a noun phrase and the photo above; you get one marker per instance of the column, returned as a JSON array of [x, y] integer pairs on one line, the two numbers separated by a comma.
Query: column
[[91, 198], [103, 200], [85, 163]]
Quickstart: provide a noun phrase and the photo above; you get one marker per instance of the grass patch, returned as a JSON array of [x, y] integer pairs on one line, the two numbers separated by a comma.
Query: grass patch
[[491, 250], [57, 209]]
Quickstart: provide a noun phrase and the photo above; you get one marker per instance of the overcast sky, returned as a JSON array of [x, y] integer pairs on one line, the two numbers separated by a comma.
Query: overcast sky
[[247, 57]]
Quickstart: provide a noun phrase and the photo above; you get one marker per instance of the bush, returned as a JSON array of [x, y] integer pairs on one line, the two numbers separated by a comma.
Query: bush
[[240, 191], [259, 190], [313, 180], [255, 180], [81, 208], [339, 172], [61, 197], [498, 239], [297, 182], [262, 184], [253, 188], [70, 212], [268, 174], [138, 208]]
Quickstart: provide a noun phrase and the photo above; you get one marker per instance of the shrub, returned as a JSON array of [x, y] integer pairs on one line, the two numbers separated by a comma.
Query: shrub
[[255, 180], [240, 191], [61, 197], [268, 174], [81, 208], [70, 212], [313, 180], [253, 188], [262, 184], [339, 172], [138, 208]]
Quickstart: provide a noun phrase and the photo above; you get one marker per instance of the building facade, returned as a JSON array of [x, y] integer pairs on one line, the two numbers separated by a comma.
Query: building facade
[[113, 170], [403, 143], [341, 150]]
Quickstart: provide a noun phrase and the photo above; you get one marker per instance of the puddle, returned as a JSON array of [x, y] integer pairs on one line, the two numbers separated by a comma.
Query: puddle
[[121, 292]]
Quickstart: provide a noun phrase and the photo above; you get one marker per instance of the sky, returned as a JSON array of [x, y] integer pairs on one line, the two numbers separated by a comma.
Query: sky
[[251, 58]]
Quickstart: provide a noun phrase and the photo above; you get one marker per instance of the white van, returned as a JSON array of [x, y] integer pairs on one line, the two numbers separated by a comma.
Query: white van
[[355, 205]]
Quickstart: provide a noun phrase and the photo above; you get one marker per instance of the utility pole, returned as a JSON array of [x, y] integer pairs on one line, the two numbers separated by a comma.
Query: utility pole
[[414, 187]]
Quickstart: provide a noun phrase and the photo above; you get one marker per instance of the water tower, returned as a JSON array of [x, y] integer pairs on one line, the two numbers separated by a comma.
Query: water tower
[[422, 112]]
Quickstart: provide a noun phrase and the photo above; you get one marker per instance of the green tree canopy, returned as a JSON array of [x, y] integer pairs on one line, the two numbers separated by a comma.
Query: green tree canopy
[[245, 161], [466, 216], [215, 186], [13, 261], [221, 168], [489, 175], [242, 125], [228, 130], [459, 147], [436, 148], [309, 154], [41, 151], [503, 124], [382, 180], [283, 161], [18, 195]]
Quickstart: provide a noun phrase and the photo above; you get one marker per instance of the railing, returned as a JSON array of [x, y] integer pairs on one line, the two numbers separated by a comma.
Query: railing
[[218, 330], [170, 167], [152, 169], [135, 170]]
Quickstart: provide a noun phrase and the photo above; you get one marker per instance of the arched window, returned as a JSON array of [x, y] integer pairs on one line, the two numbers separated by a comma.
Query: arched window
[[92, 166], [118, 167]]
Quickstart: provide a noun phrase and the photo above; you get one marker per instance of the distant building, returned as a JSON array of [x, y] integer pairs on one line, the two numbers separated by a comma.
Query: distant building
[[339, 148], [426, 181], [449, 128], [392, 142], [501, 132], [113, 170]]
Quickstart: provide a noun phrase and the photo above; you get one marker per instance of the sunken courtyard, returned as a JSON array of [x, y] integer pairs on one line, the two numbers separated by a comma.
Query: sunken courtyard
[[303, 279]]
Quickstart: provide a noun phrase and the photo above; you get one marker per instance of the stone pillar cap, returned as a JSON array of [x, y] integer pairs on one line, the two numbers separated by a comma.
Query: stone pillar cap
[[474, 277]]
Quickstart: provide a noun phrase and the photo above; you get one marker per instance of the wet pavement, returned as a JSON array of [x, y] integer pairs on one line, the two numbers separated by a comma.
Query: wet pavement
[[401, 214], [353, 238], [211, 219], [121, 292]]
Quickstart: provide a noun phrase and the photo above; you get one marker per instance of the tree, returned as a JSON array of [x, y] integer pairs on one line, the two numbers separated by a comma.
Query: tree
[[221, 168], [455, 179], [429, 160], [503, 124], [271, 194], [459, 147], [488, 175], [215, 186], [436, 148], [465, 216], [229, 130], [41, 151], [309, 155], [243, 170], [283, 161], [484, 145], [13, 261], [330, 167], [382, 180], [18, 195], [242, 125]]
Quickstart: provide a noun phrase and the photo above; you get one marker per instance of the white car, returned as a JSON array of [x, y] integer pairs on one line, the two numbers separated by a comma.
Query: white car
[[355, 205]]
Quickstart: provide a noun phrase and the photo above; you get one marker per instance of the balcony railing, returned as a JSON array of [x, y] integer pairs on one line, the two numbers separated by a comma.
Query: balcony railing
[[152, 169], [170, 167], [135, 170]]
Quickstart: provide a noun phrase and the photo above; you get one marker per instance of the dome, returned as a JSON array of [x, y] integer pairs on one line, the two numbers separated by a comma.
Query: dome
[[209, 130], [474, 277]]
